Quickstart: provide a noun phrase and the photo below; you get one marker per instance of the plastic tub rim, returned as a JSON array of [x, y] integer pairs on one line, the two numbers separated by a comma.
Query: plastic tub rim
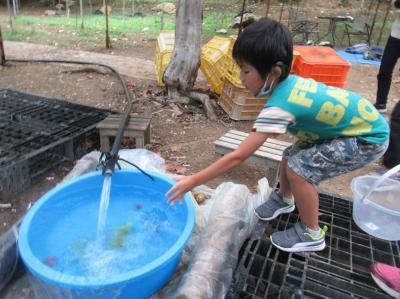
[[52, 276], [370, 202]]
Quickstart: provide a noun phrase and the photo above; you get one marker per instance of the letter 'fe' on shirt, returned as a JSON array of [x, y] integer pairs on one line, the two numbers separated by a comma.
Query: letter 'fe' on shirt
[[315, 112]]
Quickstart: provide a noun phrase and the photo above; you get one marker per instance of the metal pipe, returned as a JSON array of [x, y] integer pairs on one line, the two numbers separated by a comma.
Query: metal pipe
[[113, 156]]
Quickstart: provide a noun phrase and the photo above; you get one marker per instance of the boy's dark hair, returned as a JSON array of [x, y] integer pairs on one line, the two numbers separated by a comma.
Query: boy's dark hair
[[264, 44]]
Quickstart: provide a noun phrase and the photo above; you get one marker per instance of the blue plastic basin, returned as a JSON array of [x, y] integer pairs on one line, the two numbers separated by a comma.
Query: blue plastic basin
[[55, 232]]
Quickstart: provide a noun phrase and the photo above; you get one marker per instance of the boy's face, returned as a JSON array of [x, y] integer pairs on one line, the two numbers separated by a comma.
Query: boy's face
[[250, 78]]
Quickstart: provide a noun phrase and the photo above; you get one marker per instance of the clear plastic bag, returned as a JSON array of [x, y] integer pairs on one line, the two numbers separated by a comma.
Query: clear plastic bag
[[145, 159], [8, 254], [230, 223]]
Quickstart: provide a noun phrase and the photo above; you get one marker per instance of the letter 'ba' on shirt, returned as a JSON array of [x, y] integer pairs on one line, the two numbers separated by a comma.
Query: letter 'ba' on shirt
[[315, 112]]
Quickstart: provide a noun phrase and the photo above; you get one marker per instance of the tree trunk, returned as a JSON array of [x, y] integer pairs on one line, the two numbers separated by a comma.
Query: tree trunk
[[181, 73]]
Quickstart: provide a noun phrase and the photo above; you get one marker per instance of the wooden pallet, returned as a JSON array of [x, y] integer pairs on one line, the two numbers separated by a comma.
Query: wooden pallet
[[138, 127], [268, 155]]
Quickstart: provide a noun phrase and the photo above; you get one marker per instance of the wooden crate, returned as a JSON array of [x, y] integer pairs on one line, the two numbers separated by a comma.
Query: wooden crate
[[138, 127], [238, 103]]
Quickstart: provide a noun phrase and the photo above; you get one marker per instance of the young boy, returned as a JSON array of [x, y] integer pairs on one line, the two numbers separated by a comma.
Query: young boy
[[337, 130]]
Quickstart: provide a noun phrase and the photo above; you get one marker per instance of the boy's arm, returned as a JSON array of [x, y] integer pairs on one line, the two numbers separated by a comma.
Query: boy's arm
[[227, 162]]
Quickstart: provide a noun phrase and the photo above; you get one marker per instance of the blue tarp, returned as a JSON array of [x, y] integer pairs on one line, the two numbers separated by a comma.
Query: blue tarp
[[356, 58]]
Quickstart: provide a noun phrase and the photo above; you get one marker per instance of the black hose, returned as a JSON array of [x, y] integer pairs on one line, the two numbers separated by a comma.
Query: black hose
[[112, 157]]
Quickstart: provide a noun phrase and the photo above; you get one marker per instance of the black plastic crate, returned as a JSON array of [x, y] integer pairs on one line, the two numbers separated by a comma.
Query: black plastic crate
[[39, 133], [342, 270]]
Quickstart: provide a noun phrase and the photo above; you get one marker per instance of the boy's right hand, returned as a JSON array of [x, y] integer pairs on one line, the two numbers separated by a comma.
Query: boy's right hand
[[177, 192]]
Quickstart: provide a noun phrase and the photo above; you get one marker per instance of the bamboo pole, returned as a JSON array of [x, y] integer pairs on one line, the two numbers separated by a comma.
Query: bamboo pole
[[2, 54]]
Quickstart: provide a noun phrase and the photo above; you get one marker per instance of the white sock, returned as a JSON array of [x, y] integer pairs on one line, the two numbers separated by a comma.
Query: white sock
[[314, 233], [288, 200]]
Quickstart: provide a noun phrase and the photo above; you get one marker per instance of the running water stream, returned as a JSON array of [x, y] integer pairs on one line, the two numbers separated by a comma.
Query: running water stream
[[104, 203]]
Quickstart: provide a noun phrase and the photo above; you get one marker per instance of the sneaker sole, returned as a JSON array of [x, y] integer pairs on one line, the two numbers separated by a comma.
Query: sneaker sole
[[277, 213], [384, 287], [318, 247]]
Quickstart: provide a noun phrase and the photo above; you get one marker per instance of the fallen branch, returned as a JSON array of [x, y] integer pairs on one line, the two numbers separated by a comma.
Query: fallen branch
[[5, 205]]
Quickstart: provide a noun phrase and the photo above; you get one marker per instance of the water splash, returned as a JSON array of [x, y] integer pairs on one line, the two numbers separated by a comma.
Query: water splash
[[104, 203]]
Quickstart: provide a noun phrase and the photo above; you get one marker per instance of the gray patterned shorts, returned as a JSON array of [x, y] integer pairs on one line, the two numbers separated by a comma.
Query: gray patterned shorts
[[318, 162]]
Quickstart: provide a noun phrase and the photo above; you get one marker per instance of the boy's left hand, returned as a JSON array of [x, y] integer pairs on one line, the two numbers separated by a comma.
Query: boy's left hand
[[178, 191]]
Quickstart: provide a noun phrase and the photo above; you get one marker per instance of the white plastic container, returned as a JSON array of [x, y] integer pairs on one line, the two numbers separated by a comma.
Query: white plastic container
[[376, 206]]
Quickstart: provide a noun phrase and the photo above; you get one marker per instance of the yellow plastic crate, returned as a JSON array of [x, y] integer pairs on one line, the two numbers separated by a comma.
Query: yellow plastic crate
[[238, 103], [233, 70], [164, 49], [216, 57], [232, 73]]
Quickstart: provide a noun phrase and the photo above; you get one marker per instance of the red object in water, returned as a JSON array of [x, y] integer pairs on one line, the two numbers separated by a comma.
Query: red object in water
[[138, 206], [50, 261]]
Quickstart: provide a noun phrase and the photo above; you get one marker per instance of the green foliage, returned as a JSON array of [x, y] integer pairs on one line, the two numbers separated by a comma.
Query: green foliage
[[59, 30]]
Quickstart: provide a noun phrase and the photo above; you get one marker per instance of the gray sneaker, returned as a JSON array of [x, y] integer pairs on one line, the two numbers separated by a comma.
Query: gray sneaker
[[273, 207], [298, 239]]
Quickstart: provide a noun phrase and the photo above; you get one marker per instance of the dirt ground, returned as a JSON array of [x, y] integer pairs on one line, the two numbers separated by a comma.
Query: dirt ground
[[185, 141]]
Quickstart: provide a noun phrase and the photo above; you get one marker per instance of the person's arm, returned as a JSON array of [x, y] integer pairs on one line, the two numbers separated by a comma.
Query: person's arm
[[227, 162]]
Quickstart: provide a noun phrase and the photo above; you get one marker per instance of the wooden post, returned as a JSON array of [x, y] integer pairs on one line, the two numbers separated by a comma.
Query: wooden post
[[241, 17], [10, 16], [108, 43], [123, 10], [268, 7], [67, 7], [81, 11], [2, 54], [133, 8], [14, 8], [162, 20], [281, 12]]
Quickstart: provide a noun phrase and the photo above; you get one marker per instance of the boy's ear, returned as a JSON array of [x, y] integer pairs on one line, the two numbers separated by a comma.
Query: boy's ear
[[277, 71]]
